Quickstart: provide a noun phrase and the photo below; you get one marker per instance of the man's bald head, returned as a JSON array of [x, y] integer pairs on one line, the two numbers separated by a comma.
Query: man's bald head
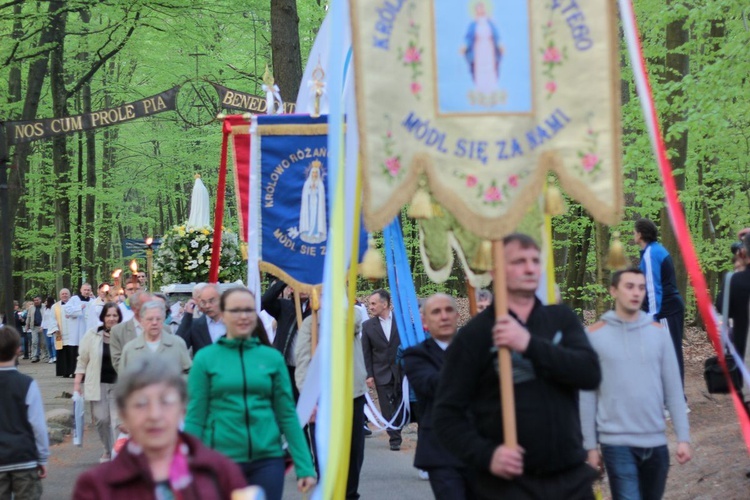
[[440, 316], [436, 296], [136, 302], [197, 289]]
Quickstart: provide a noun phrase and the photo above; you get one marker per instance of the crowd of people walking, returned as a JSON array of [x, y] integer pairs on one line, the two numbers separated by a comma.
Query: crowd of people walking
[[210, 408]]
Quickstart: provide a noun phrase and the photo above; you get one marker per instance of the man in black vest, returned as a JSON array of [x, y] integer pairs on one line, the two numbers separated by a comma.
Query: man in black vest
[[422, 365], [24, 442]]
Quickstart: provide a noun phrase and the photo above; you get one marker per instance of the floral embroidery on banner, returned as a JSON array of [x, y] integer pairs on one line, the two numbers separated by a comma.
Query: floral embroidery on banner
[[589, 161], [391, 166], [552, 57], [411, 56], [496, 193]]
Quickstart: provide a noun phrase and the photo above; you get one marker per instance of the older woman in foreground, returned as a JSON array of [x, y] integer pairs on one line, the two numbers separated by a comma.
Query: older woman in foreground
[[158, 461]]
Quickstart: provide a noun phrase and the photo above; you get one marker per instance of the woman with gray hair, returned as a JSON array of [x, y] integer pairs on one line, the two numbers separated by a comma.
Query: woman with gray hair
[[158, 460], [165, 346]]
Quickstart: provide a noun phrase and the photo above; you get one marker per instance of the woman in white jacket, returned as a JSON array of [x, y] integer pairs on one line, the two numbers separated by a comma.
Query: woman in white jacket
[[99, 375]]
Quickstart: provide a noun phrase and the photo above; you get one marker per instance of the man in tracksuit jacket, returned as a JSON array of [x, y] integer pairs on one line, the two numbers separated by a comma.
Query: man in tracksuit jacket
[[663, 301], [553, 360], [625, 415]]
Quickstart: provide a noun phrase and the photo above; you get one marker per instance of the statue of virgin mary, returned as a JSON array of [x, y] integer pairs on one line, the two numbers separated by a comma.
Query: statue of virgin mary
[[312, 213]]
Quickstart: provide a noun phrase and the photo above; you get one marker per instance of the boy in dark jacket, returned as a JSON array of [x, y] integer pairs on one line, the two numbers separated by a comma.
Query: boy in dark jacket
[[24, 442]]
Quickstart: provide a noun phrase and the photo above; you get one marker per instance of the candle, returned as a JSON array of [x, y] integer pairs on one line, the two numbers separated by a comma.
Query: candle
[[116, 277]]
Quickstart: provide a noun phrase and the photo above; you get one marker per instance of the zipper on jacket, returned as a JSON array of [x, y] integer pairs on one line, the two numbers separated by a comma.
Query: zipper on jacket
[[244, 398]]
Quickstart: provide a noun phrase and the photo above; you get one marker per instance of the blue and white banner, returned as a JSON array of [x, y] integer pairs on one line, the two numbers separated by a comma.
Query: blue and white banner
[[293, 164]]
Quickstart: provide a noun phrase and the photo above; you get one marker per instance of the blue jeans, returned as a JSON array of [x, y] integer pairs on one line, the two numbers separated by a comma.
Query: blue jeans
[[636, 473], [267, 473], [50, 344], [26, 341]]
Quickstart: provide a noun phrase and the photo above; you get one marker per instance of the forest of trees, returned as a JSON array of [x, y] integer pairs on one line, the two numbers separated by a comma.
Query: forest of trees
[[75, 198]]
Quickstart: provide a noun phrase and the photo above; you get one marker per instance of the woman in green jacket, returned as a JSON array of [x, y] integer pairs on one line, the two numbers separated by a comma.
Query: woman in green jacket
[[241, 400]]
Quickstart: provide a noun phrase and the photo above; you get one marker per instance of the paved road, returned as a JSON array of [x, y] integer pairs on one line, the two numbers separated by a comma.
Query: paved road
[[385, 474]]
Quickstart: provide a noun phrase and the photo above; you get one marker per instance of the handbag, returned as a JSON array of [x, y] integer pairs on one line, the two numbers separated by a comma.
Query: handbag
[[716, 382]]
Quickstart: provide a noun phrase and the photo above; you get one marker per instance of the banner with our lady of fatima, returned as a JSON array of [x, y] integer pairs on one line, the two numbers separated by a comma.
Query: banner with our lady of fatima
[[476, 100], [290, 154]]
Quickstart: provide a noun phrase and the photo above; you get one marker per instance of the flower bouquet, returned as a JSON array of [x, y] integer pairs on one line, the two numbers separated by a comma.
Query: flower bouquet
[[185, 256]]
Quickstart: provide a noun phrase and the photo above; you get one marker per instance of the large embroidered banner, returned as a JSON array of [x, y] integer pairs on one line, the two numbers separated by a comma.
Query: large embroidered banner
[[290, 152], [476, 100]]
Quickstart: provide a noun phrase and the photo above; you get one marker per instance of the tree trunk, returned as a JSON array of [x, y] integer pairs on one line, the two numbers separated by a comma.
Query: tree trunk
[[109, 160], [285, 48], [602, 251], [576, 262], [88, 260], [88, 199], [578, 302], [34, 82], [676, 68], [14, 95], [61, 160]]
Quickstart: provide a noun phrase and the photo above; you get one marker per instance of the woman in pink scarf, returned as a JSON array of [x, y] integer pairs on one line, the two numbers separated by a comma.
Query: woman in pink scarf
[[158, 462]]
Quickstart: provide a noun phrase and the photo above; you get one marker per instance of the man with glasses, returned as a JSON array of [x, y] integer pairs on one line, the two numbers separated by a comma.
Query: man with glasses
[[207, 329], [126, 308]]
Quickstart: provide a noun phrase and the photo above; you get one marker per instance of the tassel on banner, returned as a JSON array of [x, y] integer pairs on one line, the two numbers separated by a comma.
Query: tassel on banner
[[554, 203], [315, 299], [372, 266], [243, 251], [483, 258], [421, 204], [616, 259]]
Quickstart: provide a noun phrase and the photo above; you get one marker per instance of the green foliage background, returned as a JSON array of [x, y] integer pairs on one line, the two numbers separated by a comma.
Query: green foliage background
[[145, 168]]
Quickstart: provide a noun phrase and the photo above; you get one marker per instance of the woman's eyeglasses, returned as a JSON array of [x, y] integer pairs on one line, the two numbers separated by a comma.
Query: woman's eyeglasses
[[240, 312]]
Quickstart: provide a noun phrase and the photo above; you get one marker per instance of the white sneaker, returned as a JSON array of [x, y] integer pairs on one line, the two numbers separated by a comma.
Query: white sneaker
[[52, 361], [423, 475]]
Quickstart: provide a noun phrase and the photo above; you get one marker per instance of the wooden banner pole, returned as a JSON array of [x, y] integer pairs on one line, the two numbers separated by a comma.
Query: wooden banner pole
[[507, 399], [472, 293], [297, 308], [314, 331]]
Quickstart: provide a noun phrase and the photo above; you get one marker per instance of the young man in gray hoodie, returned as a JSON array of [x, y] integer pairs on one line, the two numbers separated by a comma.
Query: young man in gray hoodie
[[640, 375]]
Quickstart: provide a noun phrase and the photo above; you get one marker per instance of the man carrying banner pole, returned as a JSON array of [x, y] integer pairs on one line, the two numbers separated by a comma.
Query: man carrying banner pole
[[552, 360]]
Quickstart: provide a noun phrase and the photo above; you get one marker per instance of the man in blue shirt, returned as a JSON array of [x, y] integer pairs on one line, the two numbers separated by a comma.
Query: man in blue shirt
[[663, 300]]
